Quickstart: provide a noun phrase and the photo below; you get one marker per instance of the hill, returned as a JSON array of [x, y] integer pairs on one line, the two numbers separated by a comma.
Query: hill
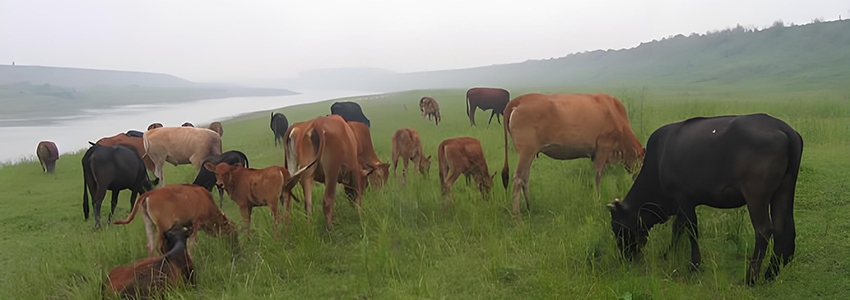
[[77, 77], [798, 56]]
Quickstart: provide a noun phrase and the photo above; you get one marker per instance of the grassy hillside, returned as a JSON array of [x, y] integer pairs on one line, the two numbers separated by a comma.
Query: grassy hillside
[[409, 243]]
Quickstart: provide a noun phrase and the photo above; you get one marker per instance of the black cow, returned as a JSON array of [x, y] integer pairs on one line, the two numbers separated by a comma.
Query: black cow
[[206, 178], [350, 111], [722, 162], [486, 98], [135, 133], [279, 124], [113, 168]]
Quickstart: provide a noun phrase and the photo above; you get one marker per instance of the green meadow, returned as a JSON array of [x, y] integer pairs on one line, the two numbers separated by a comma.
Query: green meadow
[[408, 243]]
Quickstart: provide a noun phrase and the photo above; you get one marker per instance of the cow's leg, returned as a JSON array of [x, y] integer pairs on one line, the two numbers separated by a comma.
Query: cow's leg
[[599, 161], [97, 201], [395, 161], [158, 164], [757, 205], [686, 223], [133, 195], [307, 186], [246, 210], [471, 113], [498, 118], [286, 201], [405, 162], [446, 186], [491, 118], [272, 202], [114, 204], [521, 176], [331, 177], [784, 231]]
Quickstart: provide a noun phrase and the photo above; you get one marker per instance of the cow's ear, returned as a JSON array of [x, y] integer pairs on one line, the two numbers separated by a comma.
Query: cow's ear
[[428, 158], [209, 166], [615, 205]]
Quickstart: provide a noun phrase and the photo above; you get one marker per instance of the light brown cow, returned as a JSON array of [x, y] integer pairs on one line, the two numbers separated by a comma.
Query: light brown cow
[[568, 126], [154, 125], [430, 108], [250, 187], [406, 144], [463, 156], [177, 203], [149, 277], [216, 126], [136, 143], [180, 146], [377, 170], [331, 141]]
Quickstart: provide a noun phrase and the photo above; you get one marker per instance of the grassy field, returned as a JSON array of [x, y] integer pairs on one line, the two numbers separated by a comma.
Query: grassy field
[[409, 244]]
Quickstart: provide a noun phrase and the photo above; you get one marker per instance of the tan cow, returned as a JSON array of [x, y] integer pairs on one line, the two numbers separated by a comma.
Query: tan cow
[[250, 187], [568, 126], [406, 144], [216, 126], [180, 146], [177, 203], [331, 141], [463, 156], [377, 170], [430, 108], [136, 143]]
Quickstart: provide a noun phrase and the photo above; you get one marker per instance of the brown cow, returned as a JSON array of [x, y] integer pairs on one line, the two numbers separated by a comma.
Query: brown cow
[[47, 154], [187, 124], [430, 108], [136, 143], [568, 126], [179, 146], [377, 170], [486, 98], [331, 141], [463, 156], [154, 125], [148, 277], [406, 144], [250, 187], [164, 207], [216, 126]]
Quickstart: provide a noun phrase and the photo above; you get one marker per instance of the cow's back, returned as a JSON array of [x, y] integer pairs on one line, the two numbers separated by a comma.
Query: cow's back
[[47, 150], [180, 143], [181, 202]]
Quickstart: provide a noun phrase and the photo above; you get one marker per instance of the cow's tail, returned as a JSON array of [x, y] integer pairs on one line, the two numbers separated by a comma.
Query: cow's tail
[[143, 200], [290, 156], [296, 177], [467, 106], [85, 196], [795, 154], [145, 144], [507, 117]]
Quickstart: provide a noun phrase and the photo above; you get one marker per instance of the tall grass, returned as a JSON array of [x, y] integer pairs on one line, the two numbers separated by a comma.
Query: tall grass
[[410, 243]]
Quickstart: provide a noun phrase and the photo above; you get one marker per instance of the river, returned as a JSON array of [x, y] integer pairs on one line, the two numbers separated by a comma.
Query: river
[[72, 133]]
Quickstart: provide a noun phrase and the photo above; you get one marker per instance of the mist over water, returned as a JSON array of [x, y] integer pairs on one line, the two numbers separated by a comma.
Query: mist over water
[[72, 133]]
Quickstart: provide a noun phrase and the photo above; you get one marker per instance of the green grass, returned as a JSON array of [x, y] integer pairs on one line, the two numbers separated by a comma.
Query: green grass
[[409, 244]]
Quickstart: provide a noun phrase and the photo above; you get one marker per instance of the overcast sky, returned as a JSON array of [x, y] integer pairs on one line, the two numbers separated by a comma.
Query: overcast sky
[[205, 40]]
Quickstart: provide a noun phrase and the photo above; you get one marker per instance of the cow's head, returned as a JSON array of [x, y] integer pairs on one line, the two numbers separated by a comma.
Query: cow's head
[[178, 233], [425, 165], [629, 229], [223, 172], [378, 174]]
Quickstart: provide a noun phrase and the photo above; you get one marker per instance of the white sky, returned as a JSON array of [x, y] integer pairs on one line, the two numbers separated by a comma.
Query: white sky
[[206, 40]]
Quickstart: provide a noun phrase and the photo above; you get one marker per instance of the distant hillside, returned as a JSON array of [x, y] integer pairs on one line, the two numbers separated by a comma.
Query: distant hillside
[[86, 77], [335, 78], [811, 55]]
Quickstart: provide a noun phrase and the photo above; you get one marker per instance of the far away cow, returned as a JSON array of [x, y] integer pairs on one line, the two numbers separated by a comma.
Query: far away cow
[[154, 125], [408, 147], [568, 126], [331, 142], [180, 146], [113, 168], [206, 178], [430, 108], [149, 277], [130, 139], [722, 162], [378, 172], [187, 124], [279, 124], [486, 98], [47, 154], [173, 204], [216, 126], [463, 156], [350, 111]]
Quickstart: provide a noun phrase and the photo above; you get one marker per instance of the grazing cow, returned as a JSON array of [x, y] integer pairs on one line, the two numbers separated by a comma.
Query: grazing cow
[[187, 124], [279, 125], [250, 187], [486, 98], [331, 142], [568, 127], [206, 178], [216, 126], [129, 140], [406, 144], [149, 277], [180, 146], [47, 154], [135, 133], [113, 168], [722, 162], [378, 171], [430, 108], [463, 156], [350, 111], [173, 204], [154, 125]]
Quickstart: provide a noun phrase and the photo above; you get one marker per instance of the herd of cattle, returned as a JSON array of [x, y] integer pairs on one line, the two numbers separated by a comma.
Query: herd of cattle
[[722, 162]]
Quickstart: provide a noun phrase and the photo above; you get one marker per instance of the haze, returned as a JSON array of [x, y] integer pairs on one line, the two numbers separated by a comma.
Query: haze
[[247, 40]]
